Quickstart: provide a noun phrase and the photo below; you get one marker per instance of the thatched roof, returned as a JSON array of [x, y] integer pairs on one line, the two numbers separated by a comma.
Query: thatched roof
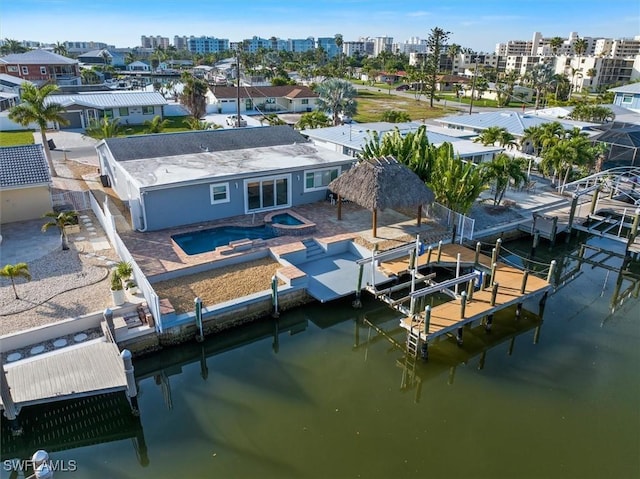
[[380, 184]]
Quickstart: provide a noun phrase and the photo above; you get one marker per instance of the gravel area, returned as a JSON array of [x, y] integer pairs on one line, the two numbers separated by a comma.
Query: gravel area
[[64, 284]]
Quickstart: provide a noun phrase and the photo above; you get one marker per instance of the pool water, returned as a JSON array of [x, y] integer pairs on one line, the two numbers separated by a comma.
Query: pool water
[[286, 219], [197, 242]]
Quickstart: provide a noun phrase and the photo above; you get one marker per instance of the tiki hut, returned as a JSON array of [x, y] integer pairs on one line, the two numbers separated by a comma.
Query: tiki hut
[[379, 184]]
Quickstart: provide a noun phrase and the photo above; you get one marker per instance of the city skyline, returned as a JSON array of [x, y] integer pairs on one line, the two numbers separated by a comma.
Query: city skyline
[[479, 25]]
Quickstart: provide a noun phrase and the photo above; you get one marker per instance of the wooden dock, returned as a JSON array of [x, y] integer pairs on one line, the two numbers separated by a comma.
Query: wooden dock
[[508, 286], [93, 368]]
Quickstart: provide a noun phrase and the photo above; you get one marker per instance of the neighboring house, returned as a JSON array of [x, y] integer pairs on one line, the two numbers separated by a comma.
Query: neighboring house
[[282, 99], [41, 66], [25, 183], [350, 139], [177, 179], [138, 66], [103, 57], [520, 93], [627, 96], [132, 107], [10, 90], [446, 83]]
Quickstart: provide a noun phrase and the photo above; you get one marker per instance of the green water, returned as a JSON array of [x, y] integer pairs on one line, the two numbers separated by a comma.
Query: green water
[[319, 395]]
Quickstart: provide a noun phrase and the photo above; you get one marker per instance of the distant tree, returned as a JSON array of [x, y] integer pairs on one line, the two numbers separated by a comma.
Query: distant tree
[[592, 113], [13, 271], [435, 42], [337, 97], [314, 119], [339, 42], [503, 170], [495, 134], [482, 85], [273, 120], [197, 124], [395, 116], [60, 220], [36, 108], [555, 43], [193, 95], [155, 125], [12, 46], [538, 78], [129, 58], [60, 49], [452, 52], [89, 76], [280, 81], [105, 128], [580, 46]]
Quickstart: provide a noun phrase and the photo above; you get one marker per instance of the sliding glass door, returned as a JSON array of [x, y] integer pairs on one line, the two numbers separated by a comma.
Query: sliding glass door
[[267, 193]]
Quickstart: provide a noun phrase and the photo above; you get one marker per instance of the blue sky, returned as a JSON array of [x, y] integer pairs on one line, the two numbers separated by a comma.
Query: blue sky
[[478, 24]]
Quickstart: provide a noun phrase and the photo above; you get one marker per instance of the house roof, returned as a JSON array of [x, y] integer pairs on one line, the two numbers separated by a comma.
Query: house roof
[[630, 88], [174, 158], [109, 99], [37, 57], [284, 91], [621, 114], [355, 136], [23, 165], [380, 184], [10, 80], [192, 142], [514, 122], [619, 134]]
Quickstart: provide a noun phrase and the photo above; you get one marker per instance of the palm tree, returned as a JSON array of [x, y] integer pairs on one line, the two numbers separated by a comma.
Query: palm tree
[[60, 49], [580, 46], [456, 183], [503, 170], [538, 78], [60, 220], [35, 108], [452, 52], [89, 76], [13, 271], [555, 43], [314, 119], [156, 125], [337, 97], [12, 46], [105, 128], [193, 95], [197, 124], [395, 116], [490, 135], [339, 42]]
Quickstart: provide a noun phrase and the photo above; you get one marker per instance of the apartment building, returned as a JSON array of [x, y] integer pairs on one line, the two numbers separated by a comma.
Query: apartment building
[[382, 44], [154, 41], [328, 44], [181, 42], [78, 48], [204, 45], [301, 44]]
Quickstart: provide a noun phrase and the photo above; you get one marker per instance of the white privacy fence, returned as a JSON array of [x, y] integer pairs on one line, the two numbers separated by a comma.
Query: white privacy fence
[[449, 218], [107, 221]]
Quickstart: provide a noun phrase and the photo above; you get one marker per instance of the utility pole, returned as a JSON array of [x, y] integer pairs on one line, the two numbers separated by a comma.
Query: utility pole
[[473, 86], [238, 87]]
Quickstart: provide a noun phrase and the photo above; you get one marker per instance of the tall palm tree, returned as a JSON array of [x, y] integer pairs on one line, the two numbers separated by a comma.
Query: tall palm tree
[[13, 271], [156, 125], [60, 49], [35, 107], [339, 42], [337, 97], [452, 52], [503, 170], [193, 95], [105, 128], [12, 46], [580, 46], [538, 78], [555, 43], [489, 136], [60, 220]]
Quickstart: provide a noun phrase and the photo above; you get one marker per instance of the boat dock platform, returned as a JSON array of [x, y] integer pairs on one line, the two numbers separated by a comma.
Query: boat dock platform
[[486, 284]]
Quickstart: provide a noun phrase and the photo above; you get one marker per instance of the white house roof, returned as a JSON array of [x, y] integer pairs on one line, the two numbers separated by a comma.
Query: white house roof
[[37, 57], [104, 100], [10, 80], [230, 164], [622, 114], [23, 165], [514, 122], [630, 88]]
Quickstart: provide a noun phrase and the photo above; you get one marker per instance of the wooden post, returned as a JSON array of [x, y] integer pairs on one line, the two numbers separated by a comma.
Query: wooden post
[[552, 270], [439, 250], [493, 272], [476, 259], [494, 293], [419, 215], [375, 223], [459, 337], [594, 200], [427, 320], [536, 240], [463, 303], [10, 410], [274, 296], [198, 307], [453, 234], [339, 200], [429, 251], [634, 228], [572, 214], [470, 290], [523, 286], [357, 303], [132, 390], [554, 231], [498, 244], [457, 272], [494, 256]]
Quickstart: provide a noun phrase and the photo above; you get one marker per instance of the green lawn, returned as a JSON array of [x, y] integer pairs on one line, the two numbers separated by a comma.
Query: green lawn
[[176, 123], [13, 138], [372, 104]]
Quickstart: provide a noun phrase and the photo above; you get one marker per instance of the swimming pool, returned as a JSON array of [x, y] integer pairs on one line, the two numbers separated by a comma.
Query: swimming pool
[[196, 242], [286, 219]]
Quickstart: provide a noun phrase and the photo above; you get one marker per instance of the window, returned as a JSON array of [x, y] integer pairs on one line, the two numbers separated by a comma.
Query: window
[[319, 179], [108, 113], [267, 193], [219, 193], [147, 110], [627, 99], [12, 68], [123, 111], [25, 70], [305, 101], [43, 70]]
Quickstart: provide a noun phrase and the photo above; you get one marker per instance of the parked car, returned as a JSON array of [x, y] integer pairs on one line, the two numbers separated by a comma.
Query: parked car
[[402, 88], [232, 121]]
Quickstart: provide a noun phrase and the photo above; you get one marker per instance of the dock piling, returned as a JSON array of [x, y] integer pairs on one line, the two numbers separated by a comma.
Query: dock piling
[[463, 303], [10, 409], [498, 244], [108, 317], [459, 339], [525, 277], [429, 251], [439, 250], [132, 390], [358, 303], [274, 295], [470, 290], [476, 259], [552, 271], [489, 323], [494, 293], [518, 310], [572, 214], [457, 272], [427, 320], [494, 265], [198, 306]]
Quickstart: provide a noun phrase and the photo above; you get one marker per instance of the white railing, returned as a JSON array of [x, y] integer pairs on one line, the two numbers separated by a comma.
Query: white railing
[[618, 180], [107, 221], [448, 218]]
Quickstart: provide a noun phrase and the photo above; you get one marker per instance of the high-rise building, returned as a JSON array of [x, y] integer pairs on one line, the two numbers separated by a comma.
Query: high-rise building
[[154, 42], [301, 45], [382, 44], [181, 42], [207, 44]]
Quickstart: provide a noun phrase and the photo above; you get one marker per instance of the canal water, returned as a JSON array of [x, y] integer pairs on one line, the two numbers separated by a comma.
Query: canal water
[[319, 394]]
